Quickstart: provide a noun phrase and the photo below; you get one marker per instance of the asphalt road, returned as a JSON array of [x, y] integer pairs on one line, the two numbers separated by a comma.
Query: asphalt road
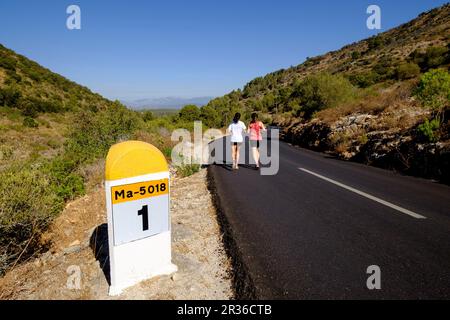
[[312, 230]]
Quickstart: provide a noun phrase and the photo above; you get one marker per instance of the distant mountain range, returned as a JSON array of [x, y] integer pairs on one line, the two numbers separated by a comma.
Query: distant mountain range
[[166, 102]]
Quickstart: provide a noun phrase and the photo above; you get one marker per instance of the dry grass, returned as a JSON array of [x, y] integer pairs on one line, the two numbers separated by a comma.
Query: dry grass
[[373, 101], [342, 147], [19, 143], [399, 117], [2, 77], [342, 141], [162, 142], [93, 174]]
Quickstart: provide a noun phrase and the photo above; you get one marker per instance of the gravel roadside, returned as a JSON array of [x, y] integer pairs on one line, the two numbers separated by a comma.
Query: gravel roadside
[[197, 249]]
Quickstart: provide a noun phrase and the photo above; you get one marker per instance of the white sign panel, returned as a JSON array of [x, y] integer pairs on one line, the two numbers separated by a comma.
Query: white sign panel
[[139, 210]]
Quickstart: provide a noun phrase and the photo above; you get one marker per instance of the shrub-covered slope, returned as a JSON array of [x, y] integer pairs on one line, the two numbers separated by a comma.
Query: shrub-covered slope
[[31, 88], [356, 71], [53, 135]]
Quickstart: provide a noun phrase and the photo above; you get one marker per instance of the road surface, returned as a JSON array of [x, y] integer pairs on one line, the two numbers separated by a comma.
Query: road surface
[[312, 230]]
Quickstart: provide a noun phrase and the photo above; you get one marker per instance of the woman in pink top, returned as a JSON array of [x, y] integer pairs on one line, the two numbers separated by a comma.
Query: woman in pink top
[[254, 129]]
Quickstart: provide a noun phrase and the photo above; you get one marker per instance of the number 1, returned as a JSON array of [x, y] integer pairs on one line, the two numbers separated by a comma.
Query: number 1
[[144, 213]]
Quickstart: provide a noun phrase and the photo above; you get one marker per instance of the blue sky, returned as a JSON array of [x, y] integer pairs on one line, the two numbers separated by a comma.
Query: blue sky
[[146, 49]]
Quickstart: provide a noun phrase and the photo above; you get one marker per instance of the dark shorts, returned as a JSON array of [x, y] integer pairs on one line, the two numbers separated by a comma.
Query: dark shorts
[[254, 143]]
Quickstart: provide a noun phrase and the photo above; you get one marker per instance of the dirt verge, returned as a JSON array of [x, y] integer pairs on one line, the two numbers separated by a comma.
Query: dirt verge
[[242, 281], [78, 249]]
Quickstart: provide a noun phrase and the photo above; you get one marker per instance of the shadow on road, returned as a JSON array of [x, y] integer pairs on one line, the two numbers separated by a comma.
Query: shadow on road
[[229, 167]]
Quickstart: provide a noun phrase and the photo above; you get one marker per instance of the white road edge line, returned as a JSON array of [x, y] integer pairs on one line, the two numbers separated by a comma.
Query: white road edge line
[[388, 204]]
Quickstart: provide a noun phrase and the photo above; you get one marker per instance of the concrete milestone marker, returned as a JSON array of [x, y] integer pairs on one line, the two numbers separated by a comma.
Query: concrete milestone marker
[[137, 201]]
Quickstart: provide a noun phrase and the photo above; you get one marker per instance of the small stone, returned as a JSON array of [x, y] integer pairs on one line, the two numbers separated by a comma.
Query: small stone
[[75, 243], [175, 277], [46, 256], [71, 250], [86, 243]]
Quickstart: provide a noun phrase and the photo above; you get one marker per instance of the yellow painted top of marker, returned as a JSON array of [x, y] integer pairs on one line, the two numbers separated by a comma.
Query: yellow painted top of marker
[[133, 158]]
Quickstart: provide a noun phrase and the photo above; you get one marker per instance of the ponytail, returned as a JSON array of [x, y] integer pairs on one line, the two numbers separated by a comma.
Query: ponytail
[[237, 117]]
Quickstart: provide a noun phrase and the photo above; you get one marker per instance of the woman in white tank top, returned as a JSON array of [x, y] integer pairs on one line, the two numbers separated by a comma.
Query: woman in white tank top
[[236, 129]]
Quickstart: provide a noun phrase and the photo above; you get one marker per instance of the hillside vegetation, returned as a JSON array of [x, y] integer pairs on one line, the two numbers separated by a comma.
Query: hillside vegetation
[[353, 73], [31, 88], [383, 100], [54, 135]]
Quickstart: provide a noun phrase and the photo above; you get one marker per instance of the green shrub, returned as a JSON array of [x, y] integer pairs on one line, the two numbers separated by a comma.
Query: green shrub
[[190, 113], [27, 205], [70, 186], [7, 61], [210, 116], [30, 122], [356, 55], [66, 183], [28, 108], [268, 102], [91, 107], [34, 75], [167, 152], [312, 61], [225, 108], [94, 133], [13, 76], [187, 170], [376, 42], [407, 71], [318, 92], [6, 152], [32, 106], [382, 70], [293, 106], [364, 79], [433, 57], [363, 139], [256, 85], [147, 115], [52, 105], [9, 96], [428, 129], [434, 90], [436, 57]]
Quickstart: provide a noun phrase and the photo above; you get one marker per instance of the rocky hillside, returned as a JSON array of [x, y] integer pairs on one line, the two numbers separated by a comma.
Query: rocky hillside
[[387, 57], [382, 101]]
